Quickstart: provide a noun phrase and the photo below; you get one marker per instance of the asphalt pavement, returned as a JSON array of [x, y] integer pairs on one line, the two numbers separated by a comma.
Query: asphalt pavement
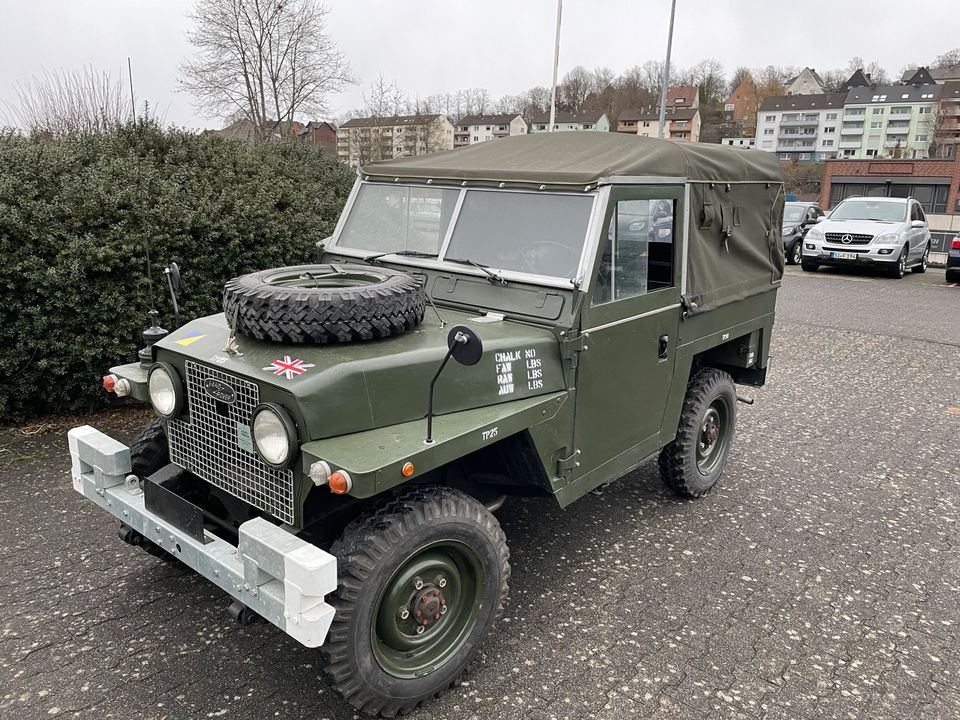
[[821, 579]]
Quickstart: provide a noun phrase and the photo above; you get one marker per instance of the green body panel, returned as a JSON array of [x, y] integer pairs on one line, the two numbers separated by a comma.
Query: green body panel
[[355, 387], [374, 458]]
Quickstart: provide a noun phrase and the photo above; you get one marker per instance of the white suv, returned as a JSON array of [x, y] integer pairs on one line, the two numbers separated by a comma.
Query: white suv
[[890, 233]]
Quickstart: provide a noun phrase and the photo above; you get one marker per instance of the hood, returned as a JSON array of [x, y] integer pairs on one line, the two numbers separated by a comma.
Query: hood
[[860, 227], [343, 388]]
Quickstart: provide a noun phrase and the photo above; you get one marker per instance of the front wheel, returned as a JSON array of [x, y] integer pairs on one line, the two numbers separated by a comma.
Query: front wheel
[[694, 461], [422, 579], [809, 266], [795, 256], [900, 268]]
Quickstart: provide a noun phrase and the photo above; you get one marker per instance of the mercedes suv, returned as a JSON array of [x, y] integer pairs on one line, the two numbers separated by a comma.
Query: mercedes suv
[[886, 233]]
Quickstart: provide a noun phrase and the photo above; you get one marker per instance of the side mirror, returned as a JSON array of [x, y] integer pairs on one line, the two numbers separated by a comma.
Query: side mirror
[[172, 274], [917, 224], [464, 346], [817, 219]]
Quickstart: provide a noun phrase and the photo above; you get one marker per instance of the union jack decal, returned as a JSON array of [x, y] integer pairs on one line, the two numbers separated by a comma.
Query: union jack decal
[[288, 368]]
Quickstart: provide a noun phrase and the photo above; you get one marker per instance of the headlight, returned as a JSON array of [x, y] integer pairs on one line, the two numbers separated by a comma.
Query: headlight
[[788, 230], [888, 239], [274, 435], [166, 390], [814, 234]]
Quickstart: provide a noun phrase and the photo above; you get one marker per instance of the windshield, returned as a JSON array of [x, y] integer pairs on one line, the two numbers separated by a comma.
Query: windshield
[[870, 210], [793, 213], [530, 232]]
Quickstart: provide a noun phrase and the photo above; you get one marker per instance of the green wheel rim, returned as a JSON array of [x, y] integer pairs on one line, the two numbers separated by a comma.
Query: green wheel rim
[[439, 589], [713, 436]]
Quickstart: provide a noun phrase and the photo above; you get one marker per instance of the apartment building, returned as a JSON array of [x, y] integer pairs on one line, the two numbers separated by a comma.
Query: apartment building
[[473, 129], [806, 83], [363, 140], [570, 122], [800, 128], [891, 121], [679, 123], [947, 121]]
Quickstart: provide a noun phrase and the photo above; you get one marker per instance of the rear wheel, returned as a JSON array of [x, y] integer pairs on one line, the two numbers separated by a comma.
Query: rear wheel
[[422, 580], [953, 276], [693, 463], [924, 261]]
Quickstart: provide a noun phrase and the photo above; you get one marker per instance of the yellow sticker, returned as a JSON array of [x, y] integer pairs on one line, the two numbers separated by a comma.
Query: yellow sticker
[[190, 339]]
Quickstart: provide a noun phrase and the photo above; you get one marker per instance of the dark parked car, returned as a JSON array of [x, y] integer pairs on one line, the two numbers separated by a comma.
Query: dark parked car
[[797, 218], [953, 261]]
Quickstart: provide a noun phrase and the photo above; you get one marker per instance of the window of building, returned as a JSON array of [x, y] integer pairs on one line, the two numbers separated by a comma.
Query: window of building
[[680, 101], [804, 156], [681, 136], [770, 118], [638, 252], [828, 143], [878, 98], [921, 138], [784, 156], [588, 126], [646, 123], [831, 116], [905, 96], [729, 142], [476, 138], [876, 124], [542, 127], [878, 111], [924, 110], [768, 131], [871, 153], [926, 96], [831, 129]]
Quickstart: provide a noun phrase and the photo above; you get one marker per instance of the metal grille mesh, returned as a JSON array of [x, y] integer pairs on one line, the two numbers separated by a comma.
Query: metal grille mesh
[[206, 445], [855, 238]]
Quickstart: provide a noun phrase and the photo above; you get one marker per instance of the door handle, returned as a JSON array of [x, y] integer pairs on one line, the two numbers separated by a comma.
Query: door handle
[[662, 344]]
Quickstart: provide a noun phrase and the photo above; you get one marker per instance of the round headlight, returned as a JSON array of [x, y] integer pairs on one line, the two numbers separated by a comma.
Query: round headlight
[[814, 234], [166, 390], [274, 435], [788, 230]]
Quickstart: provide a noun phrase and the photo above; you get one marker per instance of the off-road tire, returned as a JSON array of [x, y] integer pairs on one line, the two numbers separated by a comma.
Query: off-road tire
[[369, 552], [149, 450], [679, 469], [809, 266], [924, 260], [316, 309]]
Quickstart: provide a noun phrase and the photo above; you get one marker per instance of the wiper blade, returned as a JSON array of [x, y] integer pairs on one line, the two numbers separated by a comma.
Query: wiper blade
[[408, 253], [491, 276]]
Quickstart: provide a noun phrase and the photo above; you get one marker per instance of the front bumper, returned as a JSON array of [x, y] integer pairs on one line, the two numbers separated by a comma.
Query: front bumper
[[280, 576], [845, 256]]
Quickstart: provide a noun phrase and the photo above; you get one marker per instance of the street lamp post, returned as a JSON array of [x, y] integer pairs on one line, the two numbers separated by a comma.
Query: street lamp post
[[666, 72], [556, 62]]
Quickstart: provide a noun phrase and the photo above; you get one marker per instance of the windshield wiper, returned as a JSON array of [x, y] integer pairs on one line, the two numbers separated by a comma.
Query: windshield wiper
[[491, 276], [408, 253]]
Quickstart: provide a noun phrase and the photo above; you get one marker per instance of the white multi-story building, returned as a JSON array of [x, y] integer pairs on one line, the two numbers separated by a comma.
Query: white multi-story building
[[363, 140], [567, 122], [802, 128], [894, 121], [480, 128], [742, 143]]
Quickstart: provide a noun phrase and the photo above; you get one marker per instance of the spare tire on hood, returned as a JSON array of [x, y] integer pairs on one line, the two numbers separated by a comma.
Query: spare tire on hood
[[323, 303]]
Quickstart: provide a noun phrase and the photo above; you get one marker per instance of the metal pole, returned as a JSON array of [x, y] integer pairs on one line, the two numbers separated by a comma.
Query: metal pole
[[666, 72], [133, 102], [556, 63]]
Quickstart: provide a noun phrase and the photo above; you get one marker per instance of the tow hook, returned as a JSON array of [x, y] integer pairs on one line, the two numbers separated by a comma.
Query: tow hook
[[242, 614], [745, 400]]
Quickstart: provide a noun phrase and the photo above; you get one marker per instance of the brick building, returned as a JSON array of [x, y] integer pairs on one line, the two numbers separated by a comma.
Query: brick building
[[934, 183], [322, 134]]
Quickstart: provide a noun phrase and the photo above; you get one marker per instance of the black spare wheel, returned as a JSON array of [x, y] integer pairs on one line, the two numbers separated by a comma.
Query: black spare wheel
[[323, 303]]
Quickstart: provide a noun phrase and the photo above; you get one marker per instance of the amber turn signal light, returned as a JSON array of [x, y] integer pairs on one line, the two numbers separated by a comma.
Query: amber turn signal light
[[340, 482], [407, 469]]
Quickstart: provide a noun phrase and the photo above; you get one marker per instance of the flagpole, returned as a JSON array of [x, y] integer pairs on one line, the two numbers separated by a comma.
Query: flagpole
[[666, 72], [556, 63]]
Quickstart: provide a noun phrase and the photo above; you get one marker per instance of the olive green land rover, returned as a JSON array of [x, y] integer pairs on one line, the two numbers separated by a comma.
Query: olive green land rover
[[536, 315]]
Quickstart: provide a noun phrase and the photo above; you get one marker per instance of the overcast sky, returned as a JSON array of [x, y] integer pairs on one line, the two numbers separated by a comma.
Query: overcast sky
[[430, 46]]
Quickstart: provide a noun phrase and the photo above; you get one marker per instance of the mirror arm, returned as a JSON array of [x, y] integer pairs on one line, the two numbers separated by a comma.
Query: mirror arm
[[173, 297], [458, 339]]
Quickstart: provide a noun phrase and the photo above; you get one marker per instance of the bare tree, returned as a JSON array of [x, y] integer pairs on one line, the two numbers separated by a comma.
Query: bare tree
[[383, 99], [874, 70], [71, 102], [951, 58], [938, 129], [708, 74], [574, 88], [259, 60]]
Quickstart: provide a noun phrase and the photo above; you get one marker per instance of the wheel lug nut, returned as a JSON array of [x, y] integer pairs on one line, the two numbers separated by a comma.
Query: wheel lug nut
[[404, 613], [442, 582], [443, 609], [417, 584], [419, 629]]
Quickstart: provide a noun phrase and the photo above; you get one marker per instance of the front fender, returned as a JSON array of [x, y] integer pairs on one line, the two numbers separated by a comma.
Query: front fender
[[374, 458]]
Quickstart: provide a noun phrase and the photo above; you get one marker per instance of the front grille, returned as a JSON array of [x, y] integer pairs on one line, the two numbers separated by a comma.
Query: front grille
[[855, 238], [206, 444]]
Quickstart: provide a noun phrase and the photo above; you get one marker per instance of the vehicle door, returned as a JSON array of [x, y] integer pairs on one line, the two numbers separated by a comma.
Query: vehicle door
[[914, 234], [629, 327], [923, 233]]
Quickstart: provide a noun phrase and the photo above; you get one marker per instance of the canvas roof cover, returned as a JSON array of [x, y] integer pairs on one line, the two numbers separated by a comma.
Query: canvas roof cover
[[583, 158]]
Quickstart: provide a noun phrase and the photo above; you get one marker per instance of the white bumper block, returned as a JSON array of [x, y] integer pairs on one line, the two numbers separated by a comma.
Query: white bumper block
[[278, 575]]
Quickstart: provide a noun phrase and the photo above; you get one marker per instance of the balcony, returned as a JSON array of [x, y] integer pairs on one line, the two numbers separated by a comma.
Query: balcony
[[851, 131], [898, 129], [799, 123], [849, 144]]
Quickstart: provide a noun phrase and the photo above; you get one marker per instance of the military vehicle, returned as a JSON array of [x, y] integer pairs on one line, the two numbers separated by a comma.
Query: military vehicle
[[532, 316]]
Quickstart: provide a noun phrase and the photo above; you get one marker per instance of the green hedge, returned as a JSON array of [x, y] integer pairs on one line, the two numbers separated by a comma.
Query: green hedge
[[77, 216]]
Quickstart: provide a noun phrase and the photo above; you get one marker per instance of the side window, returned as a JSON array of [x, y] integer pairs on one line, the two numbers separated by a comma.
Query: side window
[[920, 215], [637, 256], [914, 211]]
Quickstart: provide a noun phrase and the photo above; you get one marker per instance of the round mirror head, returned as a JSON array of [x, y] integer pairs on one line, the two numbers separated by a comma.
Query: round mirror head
[[174, 271], [467, 348]]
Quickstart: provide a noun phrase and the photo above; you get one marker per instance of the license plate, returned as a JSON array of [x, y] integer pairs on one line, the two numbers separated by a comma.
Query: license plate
[[843, 255]]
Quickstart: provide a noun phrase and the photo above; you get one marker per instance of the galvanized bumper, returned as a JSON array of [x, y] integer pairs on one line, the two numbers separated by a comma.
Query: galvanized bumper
[[275, 573]]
